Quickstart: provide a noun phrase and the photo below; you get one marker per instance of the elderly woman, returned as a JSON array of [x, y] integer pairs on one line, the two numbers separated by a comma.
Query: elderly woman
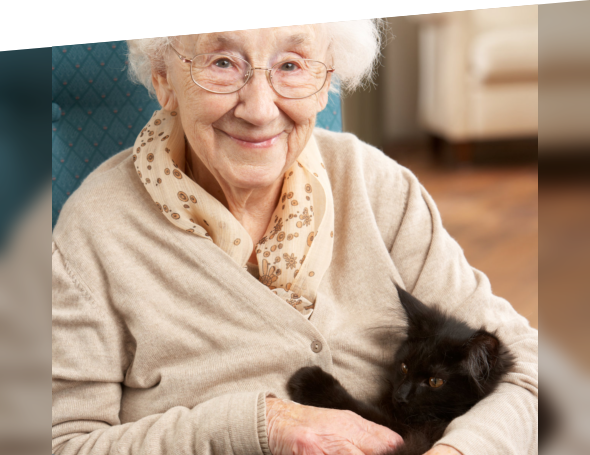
[[234, 243]]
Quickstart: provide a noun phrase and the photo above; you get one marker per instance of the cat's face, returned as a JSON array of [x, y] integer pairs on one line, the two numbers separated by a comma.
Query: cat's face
[[428, 379], [444, 366]]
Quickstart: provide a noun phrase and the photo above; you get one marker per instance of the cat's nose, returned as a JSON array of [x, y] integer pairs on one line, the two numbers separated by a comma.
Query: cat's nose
[[401, 398], [402, 393]]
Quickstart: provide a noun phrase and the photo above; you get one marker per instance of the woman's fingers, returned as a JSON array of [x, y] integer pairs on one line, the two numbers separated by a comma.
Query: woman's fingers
[[305, 430], [386, 438], [376, 439]]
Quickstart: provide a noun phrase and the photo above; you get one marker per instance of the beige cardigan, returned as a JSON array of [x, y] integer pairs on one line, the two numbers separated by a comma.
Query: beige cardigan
[[163, 345]]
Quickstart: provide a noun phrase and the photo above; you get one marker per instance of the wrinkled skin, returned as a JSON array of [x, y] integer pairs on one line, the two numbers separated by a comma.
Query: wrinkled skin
[[294, 429]]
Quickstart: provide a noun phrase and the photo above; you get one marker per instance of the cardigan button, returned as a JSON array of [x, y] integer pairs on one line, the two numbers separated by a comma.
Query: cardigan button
[[316, 346]]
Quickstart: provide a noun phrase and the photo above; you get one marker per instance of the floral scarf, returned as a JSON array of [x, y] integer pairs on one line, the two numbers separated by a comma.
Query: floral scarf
[[295, 251]]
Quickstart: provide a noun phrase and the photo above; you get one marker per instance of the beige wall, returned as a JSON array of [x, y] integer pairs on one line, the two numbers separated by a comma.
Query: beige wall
[[361, 111], [387, 113], [399, 83], [564, 78]]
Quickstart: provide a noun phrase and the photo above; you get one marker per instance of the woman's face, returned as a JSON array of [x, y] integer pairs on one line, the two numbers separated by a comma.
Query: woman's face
[[249, 138]]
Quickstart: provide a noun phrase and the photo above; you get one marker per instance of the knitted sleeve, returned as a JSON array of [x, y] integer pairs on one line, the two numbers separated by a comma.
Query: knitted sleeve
[[91, 351]]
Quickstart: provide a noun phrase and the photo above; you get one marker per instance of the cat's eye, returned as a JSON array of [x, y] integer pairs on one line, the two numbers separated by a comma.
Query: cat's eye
[[436, 382], [404, 368]]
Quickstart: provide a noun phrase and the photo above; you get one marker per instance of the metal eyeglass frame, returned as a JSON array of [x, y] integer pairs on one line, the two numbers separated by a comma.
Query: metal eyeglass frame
[[250, 73]]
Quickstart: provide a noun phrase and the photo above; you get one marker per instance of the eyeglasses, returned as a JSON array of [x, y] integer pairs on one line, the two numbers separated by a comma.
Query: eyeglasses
[[294, 78]]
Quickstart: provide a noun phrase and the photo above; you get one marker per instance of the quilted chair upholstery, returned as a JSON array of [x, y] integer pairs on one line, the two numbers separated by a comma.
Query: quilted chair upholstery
[[97, 112]]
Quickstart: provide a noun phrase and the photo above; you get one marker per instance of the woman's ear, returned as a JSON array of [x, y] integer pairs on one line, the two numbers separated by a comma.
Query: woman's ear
[[164, 91]]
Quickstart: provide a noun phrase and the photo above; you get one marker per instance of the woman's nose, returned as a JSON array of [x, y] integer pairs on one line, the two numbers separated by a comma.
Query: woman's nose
[[257, 100]]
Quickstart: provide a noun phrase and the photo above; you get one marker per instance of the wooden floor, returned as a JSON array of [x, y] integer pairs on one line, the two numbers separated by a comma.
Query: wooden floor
[[492, 211]]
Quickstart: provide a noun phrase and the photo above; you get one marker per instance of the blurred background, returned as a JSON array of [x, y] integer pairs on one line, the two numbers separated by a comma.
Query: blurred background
[[456, 101], [490, 109]]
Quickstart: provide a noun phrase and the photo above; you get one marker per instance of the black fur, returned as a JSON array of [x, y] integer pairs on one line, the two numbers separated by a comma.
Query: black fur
[[470, 360]]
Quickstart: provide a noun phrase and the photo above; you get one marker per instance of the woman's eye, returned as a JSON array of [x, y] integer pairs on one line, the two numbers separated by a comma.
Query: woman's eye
[[223, 63], [436, 382], [404, 368], [288, 66]]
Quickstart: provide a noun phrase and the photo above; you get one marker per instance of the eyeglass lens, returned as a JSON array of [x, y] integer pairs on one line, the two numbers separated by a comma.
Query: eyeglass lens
[[296, 78]]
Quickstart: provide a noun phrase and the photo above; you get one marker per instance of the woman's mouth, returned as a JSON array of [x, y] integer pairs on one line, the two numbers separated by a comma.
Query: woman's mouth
[[255, 142]]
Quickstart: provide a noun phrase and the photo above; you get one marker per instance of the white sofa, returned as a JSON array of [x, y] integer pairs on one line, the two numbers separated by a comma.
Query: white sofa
[[478, 74]]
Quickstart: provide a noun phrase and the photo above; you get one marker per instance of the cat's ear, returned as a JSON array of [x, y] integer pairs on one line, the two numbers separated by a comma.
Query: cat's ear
[[482, 350], [414, 308]]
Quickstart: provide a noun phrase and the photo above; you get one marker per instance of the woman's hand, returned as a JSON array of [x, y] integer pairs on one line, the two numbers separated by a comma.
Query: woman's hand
[[443, 450], [304, 430]]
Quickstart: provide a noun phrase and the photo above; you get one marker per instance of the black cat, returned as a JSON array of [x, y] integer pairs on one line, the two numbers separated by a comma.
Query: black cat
[[440, 371]]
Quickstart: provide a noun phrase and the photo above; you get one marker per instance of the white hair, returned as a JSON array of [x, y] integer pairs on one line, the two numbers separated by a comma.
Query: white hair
[[355, 48]]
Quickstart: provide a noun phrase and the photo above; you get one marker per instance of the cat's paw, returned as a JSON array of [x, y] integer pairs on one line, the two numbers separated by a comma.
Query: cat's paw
[[312, 386]]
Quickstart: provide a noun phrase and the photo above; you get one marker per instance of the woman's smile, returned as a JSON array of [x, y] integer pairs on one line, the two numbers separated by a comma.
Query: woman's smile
[[254, 141]]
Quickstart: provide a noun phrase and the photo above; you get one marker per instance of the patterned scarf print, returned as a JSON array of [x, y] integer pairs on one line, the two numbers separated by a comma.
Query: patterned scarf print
[[295, 251]]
